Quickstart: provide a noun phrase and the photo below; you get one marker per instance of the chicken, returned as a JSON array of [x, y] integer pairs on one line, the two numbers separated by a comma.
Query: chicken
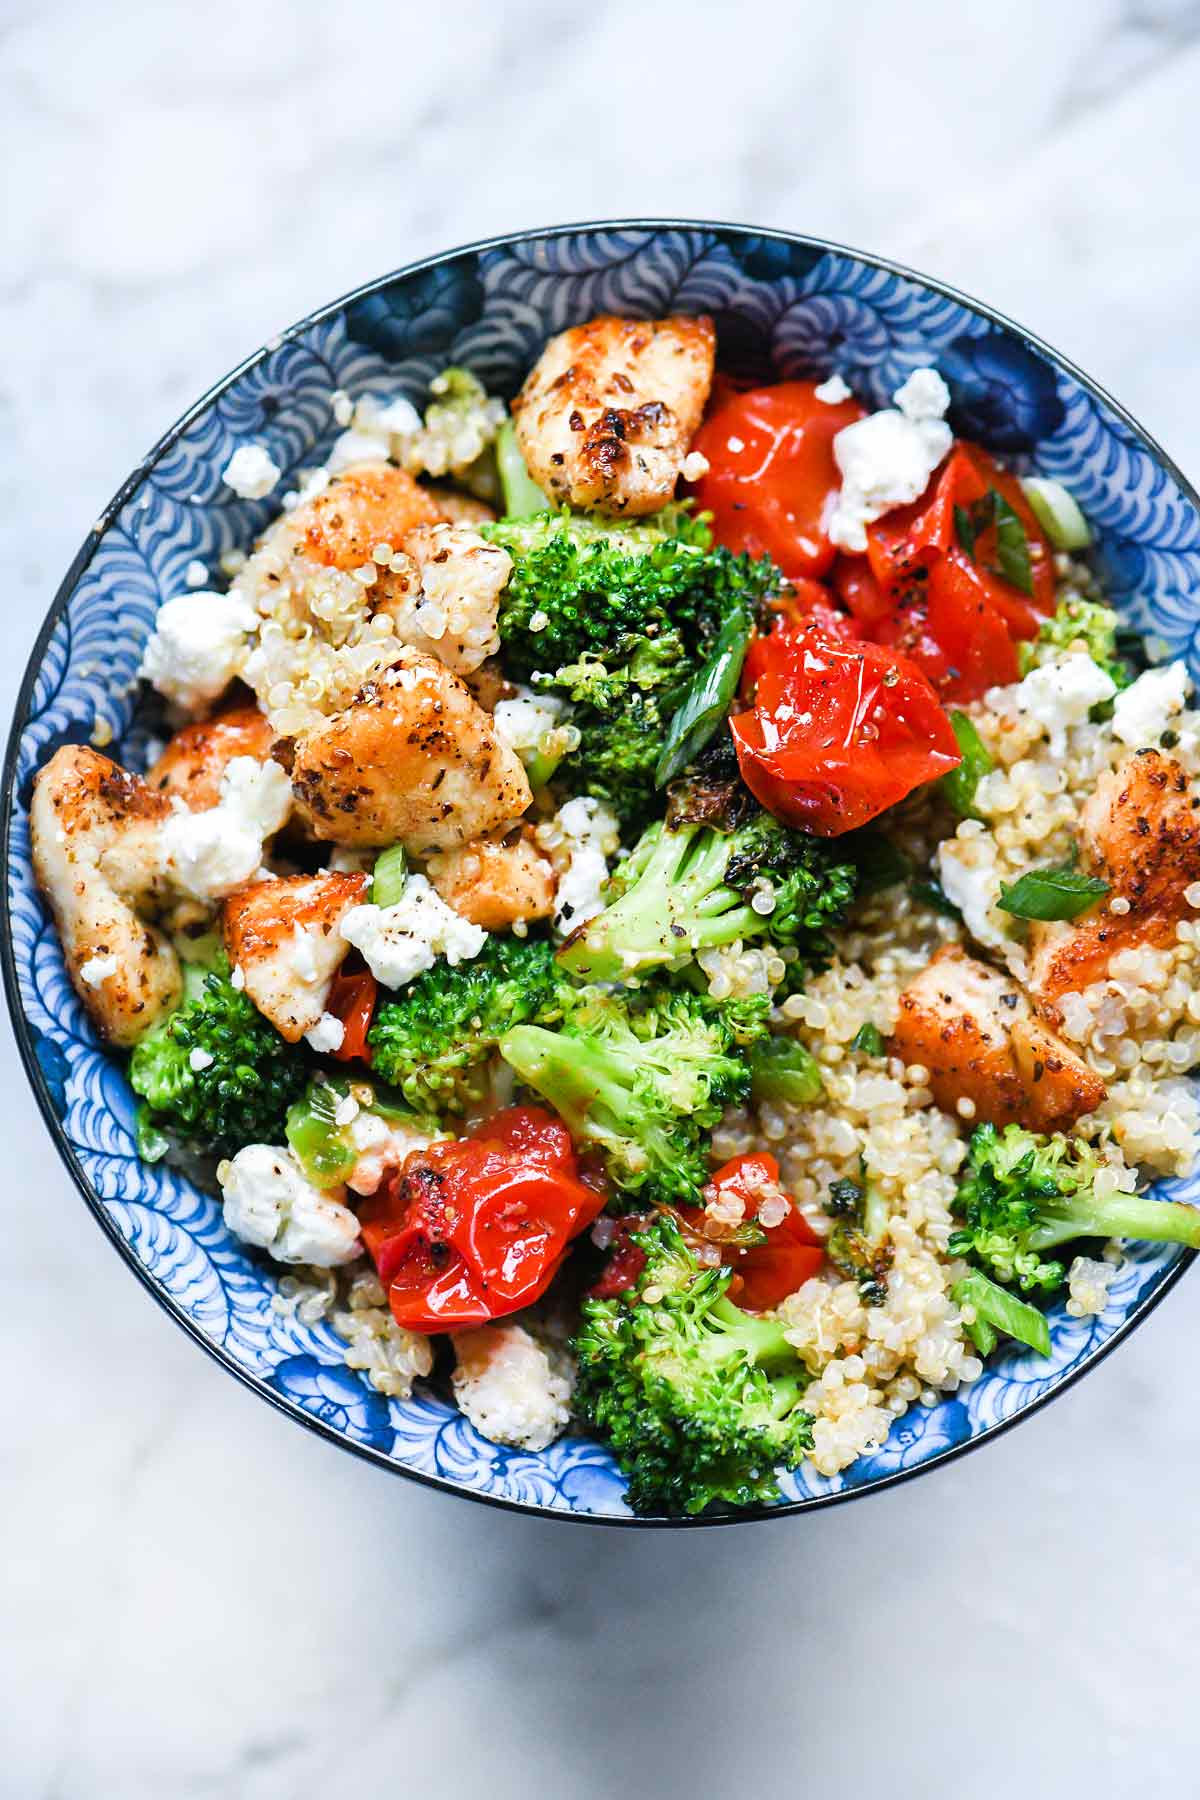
[[193, 762], [496, 880], [976, 1033], [283, 936], [94, 830], [457, 507], [414, 761], [1140, 830], [370, 504], [606, 415], [447, 600]]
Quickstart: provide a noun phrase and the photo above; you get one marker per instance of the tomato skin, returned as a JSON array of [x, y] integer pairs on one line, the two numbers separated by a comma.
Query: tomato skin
[[475, 1228], [765, 1274], [838, 731], [772, 473], [352, 1000]]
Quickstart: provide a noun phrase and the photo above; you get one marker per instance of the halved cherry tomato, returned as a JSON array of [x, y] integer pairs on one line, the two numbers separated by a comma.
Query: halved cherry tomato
[[767, 1273], [626, 1259], [838, 731], [472, 1229], [771, 473], [352, 1000]]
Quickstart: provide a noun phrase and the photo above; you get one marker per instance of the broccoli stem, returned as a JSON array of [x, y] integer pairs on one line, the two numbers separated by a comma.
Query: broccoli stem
[[588, 1085], [762, 1339], [1116, 1216]]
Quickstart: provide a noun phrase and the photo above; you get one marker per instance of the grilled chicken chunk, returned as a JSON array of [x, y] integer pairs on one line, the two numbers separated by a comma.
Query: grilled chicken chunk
[[496, 880], [413, 761], [606, 415], [1140, 831], [976, 1033], [283, 935], [94, 830], [372, 503], [194, 761]]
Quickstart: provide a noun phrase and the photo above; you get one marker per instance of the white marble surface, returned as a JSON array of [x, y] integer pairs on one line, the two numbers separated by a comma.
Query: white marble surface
[[199, 1598]]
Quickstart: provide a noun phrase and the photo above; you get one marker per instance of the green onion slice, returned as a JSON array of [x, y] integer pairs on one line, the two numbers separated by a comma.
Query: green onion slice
[[959, 784], [708, 698], [1057, 512], [390, 876], [1060, 891], [999, 1312], [522, 496]]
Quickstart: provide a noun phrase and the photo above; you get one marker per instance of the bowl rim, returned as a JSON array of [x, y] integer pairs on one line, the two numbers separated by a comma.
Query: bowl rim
[[23, 1031]]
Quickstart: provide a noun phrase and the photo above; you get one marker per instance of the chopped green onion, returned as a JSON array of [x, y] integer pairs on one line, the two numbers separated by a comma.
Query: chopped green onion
[[869, 1039], [933, 894], [997, 1311], [1057, 892], [783, 1072], [960, 784], [1057, 512], [1013, 562], [321, 1146], [390, 876], [708, 698], [522, 496]]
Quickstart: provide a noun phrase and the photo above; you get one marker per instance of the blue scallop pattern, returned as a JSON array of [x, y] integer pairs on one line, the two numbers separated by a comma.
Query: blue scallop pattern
[[782, 309]]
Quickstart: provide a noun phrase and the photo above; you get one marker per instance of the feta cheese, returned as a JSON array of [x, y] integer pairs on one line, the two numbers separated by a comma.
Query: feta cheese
[[199, 1059], [1145, 709], [529, 725], [398, 418], [97, 969], [1062, 693], [507, 1388], [586, 834], [326, 1035], [199, 643], [251, 473], [382, 1144], [833, 391], [269, 1201], [400, 942], [887, 458], [970, 878], [356, 446], [195, 575], [695, 466], [237, 977], [208, 854]]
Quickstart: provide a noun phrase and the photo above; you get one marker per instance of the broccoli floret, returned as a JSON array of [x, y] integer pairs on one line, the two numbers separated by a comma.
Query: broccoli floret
[[694, 888], [431, 1042], [1078, 622], [644, 1077], [1023, 1194], [214, 1075], [699, 1401]]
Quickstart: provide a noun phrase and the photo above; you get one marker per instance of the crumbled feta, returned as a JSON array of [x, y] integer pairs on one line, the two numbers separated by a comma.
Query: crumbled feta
[[398, 418], [970, 878], [208, 854], [399, 942], [887, 458], [1062, 693], [199, 643], [524, 722], [507, 1388], [97, 969], [268, 1201], [356, 446], [1145, 709], [195, 575], [251, 473], [326, 1035], [199, 1059], [237, 977], [695, 466], [587, 833], [833, 391], [382, 1144]]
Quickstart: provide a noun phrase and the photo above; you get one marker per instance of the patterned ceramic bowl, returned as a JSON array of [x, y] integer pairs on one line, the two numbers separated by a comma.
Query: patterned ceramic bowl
[[784, 307]]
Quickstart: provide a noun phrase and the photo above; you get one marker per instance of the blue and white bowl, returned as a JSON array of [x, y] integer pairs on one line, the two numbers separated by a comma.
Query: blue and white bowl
[[784, 307]]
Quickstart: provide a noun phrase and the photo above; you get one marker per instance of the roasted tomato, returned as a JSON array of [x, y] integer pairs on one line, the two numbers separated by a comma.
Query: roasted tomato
[[472, 1229], [838, 730], [771, 473], [766, 1273], [352, 1000]]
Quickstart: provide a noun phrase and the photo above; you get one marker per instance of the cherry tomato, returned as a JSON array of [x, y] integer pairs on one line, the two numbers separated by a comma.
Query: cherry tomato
[[838, 731], [475, 1228], [626, 1259], [771, 473], [767, 1273], [352, 1000]]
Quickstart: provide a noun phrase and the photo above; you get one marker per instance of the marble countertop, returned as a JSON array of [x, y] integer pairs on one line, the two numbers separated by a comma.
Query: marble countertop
[[200, 1598]]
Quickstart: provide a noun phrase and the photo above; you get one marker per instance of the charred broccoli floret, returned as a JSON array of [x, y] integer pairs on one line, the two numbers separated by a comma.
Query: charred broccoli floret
[[700, 1402], [1078, 621]]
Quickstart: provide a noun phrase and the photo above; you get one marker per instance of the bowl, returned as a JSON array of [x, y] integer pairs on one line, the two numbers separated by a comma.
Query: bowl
[[784, 306]]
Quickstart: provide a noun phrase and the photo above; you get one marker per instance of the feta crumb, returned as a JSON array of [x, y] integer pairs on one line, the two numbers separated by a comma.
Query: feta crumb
[[887, 458], [923, 396], [199, 1059], [237, 977], [97, 969], [1144, 710], [326, 1035], [199, 643], [970, 878], [529, 725], [208, 854], [382, 1144], [587, 833], [268, 1201], [695, 466], [1062, 693], [251, 473], [195, 575], [505, 1385], [833, 391], [356, 446], [400, 942]]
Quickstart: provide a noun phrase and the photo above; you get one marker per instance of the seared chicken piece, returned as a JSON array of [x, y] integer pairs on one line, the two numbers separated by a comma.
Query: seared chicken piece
[[373, 503], [495, 880], [1140, 831], [283, 936], [447, 600], [94, 830], [193, 762], [607, 412], [414, 761], [975, 1032], [458, 508]]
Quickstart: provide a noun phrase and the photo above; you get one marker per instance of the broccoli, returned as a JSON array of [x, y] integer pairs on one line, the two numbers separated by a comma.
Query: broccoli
[[214, 1075], [644, 1077], [699, 1401], [1078, 621], [1023, 1194], [430, 1042], [697, 888], [994, 1310], [617, 619]]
